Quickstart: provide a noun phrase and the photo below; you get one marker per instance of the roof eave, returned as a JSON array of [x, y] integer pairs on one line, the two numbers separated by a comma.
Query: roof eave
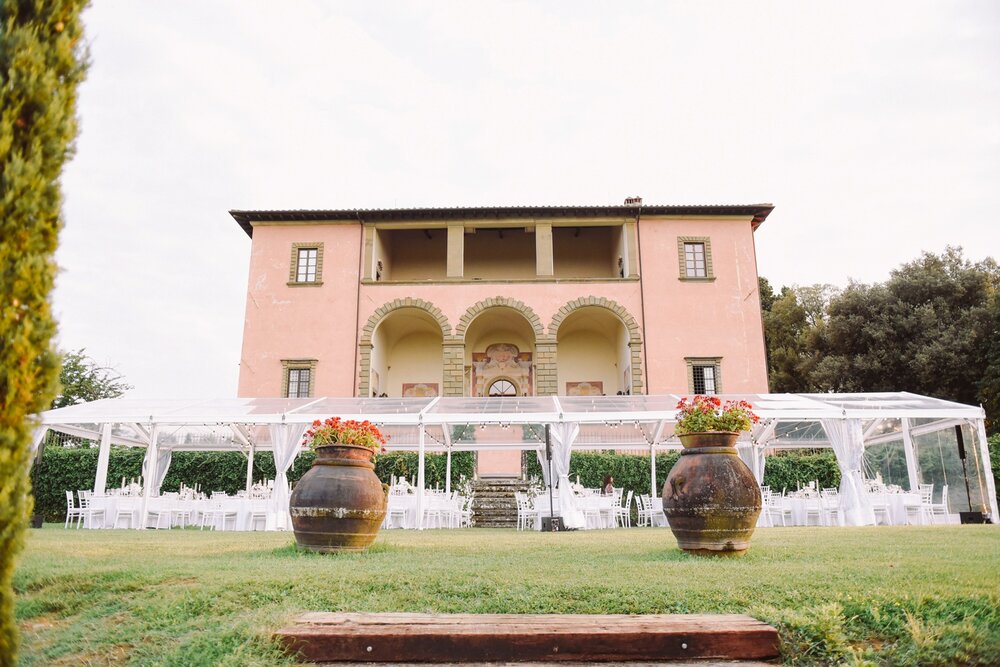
[[245, 219]]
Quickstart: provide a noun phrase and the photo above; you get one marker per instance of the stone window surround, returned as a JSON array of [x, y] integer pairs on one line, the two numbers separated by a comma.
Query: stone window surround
[[293, 269], [709, 267], [298, 364], [715, 362]]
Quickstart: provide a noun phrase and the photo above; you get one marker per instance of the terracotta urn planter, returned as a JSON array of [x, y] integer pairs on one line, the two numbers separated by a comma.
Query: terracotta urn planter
[[339, 503], [710, 497]]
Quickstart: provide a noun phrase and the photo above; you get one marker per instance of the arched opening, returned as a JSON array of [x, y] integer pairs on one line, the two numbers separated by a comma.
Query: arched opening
[[499, 362], [593, 357], [499, 344], [406, 356]]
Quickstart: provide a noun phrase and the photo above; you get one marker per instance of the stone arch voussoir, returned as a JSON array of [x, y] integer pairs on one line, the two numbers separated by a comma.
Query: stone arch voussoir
[[479, 308], [600, 302], [386, 309]]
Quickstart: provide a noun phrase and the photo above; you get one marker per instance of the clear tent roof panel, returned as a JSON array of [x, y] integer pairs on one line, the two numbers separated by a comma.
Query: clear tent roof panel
[[407, 437], [506, 409], [894, 403], [198, 436], [400, 410], [615, 411]]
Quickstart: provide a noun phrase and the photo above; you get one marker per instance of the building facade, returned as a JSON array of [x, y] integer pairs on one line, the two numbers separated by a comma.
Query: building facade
[[573, 300]]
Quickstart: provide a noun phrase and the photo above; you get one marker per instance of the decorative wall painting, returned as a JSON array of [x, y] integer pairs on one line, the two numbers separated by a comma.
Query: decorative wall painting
[[420, 389], [589, 388]]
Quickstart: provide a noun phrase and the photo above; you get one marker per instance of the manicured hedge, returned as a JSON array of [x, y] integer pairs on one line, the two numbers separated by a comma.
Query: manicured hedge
[[785, 470], [994, 448], [72, 468], [629, 471], [790, 470]]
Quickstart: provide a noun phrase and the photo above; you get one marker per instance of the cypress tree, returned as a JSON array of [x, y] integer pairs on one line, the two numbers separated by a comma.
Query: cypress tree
[[42, 61]]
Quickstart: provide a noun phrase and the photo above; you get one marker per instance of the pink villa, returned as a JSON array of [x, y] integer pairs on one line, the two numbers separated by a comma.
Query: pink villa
[[503, 301]]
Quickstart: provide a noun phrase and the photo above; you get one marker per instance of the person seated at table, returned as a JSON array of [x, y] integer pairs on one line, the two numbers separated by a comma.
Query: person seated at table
[[609, 485]]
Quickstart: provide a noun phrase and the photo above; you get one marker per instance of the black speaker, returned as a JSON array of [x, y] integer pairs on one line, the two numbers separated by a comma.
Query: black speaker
[[972, 517], [552, 524]]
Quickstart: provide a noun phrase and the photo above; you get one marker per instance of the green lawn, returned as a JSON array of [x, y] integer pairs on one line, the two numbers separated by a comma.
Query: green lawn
[[906, 595]]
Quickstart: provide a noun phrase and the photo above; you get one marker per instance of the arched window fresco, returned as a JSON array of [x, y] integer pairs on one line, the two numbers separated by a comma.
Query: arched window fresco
[[503, 387]]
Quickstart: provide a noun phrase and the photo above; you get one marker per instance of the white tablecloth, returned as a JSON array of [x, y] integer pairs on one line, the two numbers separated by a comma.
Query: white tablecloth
[[401, 510], [131, 505], [897, 503], [604, 505], [244, 509], [800, 507]]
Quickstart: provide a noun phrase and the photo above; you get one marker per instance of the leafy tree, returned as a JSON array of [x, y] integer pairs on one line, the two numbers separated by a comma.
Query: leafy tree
[[766, 292], [989, 383], [815, 299], [42, 61], [81, 380], [926, 330], [791, 322]]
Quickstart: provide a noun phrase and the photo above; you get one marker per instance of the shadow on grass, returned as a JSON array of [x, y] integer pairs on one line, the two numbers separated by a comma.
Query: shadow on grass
[[294, 551]]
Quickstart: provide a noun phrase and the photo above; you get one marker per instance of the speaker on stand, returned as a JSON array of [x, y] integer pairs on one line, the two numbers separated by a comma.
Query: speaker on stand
[[550, 523]]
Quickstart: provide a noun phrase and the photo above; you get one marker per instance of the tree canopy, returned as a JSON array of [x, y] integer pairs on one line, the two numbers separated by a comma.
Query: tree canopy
[[933, 328], [81, 380]]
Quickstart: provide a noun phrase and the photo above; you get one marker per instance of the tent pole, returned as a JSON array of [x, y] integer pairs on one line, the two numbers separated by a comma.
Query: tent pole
[[420, 476], [447, 473], [911, 458], [249, 469], [652, 470], [103, 457]]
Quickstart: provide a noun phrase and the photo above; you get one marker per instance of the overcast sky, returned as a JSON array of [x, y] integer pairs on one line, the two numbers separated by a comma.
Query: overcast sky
[[873, 127]]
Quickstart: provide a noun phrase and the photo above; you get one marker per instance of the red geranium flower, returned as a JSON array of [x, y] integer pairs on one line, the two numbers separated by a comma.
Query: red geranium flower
[[707, 413]]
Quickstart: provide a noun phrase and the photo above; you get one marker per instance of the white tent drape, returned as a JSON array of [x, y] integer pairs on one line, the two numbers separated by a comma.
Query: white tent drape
[[148, 461], [563, 436], [847, 439], [544, 463], [753, 457], [286, 440], [154, 476], [103, 459], [990, 492], [37, 436], [148, 471], [249, 484], [163, 458]]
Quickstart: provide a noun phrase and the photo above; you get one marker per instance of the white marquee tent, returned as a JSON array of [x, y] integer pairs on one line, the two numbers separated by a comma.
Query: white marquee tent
[[911, 439]]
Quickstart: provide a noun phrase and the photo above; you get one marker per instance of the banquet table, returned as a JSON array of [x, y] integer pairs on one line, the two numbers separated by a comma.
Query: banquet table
[[110, 505], [401, 511], [800, 506], [440, 510], [604, 505], [897, 503], [659, 518], [247, 511]]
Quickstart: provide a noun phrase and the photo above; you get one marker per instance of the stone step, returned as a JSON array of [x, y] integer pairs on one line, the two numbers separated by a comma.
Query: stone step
[[493, 502]]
